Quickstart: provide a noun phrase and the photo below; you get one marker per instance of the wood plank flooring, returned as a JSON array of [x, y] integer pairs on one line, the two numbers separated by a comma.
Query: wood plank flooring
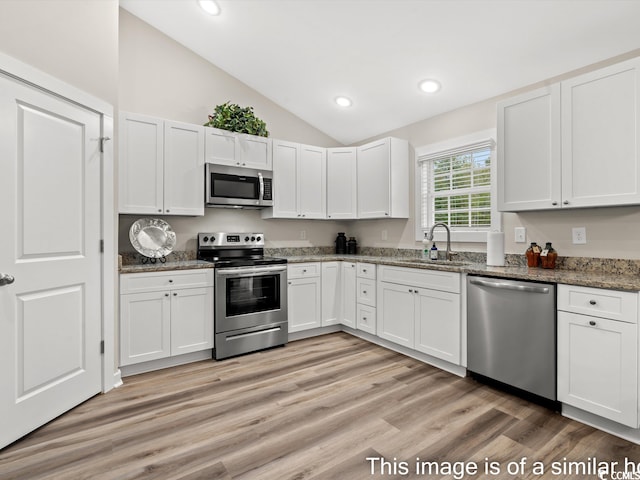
[[316, 409]]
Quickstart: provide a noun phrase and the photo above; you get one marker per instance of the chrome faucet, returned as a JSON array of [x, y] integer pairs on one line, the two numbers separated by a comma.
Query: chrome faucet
[[429, 236]]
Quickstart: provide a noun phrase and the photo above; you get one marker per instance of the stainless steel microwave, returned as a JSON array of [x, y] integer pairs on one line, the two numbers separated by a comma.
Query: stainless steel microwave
[[238, 187]]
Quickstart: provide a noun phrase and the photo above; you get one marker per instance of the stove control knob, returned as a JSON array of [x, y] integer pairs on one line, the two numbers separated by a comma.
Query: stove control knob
[[258, 238], [205, 239], [246, 239], [253, 239], [213, 239]]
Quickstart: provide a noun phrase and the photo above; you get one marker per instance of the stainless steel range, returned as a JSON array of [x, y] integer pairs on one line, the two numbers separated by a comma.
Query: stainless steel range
[[250, 301]]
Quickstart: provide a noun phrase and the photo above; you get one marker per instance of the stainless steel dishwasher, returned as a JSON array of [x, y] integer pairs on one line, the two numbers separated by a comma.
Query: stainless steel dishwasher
[[511, 334]]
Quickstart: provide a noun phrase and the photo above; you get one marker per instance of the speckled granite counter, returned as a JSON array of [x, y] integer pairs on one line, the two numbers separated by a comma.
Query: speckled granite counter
[[600, 273], [625, 280]]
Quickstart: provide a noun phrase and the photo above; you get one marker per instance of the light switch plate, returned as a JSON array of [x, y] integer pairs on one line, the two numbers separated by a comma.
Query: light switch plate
[[579, 235], [520, 235]]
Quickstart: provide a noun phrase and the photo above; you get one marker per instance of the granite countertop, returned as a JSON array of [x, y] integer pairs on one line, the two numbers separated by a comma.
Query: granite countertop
[[616, 281], [612, 277]]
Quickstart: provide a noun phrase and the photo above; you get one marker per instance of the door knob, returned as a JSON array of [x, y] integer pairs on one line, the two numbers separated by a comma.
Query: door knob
[[6, 279]]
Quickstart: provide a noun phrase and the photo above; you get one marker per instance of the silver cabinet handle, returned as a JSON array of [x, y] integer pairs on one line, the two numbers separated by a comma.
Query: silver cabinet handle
[[6, 279]]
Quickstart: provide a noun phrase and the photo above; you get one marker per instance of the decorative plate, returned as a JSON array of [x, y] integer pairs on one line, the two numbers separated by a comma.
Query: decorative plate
[[152, 237]]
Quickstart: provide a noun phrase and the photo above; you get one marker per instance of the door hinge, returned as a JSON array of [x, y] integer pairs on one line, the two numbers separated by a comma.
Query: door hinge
[[101, 346], [101, 246]]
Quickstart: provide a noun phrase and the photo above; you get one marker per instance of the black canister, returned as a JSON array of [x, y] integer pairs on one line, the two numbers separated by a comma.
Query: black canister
[[341, 243], [352, 246]]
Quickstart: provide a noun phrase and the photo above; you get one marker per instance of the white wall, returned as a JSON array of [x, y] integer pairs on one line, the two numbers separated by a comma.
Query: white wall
[[75, 41], [160, 77]]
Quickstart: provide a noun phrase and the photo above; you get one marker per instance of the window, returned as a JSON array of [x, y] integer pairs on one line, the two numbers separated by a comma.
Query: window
[[454, 185]]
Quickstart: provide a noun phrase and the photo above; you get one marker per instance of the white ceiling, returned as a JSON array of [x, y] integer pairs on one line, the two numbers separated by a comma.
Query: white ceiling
[[301, 54]]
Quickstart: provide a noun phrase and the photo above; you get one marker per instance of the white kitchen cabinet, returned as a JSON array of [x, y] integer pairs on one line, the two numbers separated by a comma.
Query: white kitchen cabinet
[[420, 309], [572, 144], [348, 300], [304, 296], [299, 181], [223, 147], [598, 352], [366, 297], [331, 293], [342, 183], [529, 151], [161, 166], [164, 314], [383, 179]]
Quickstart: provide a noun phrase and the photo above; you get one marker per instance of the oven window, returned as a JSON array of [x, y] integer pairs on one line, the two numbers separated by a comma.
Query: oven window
[[252, 294], [233, 186]]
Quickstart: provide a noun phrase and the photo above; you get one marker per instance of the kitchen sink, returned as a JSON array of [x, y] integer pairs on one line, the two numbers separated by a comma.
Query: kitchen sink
[[451, 263]]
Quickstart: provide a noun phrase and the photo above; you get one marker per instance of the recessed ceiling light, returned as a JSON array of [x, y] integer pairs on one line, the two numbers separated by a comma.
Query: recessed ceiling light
[[209, 6], [429, 86], [344, 101]]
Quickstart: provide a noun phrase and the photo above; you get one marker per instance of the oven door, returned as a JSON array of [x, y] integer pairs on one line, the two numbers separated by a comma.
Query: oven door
[[250, 296]]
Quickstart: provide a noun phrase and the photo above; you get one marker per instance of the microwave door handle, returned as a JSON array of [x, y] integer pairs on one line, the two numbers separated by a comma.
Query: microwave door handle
[[261, 181]]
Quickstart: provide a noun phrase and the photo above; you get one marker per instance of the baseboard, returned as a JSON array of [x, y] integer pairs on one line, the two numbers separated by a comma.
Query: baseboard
[[135, 369], [604, 424]]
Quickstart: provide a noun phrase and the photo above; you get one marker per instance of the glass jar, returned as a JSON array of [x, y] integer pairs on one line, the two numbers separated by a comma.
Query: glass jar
[[548, 256], [533, 255]]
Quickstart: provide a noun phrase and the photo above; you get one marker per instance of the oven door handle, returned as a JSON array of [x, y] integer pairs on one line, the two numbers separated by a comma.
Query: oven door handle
[[248, 271]]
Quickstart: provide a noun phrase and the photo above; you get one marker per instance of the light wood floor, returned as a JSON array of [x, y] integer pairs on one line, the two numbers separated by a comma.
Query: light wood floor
[[315, 409]]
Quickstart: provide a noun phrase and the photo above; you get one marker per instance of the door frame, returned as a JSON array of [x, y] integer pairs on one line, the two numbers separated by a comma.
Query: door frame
[[22, 72]]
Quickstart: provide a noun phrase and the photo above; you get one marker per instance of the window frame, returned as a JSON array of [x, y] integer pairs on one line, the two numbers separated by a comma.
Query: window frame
[[467, 141]]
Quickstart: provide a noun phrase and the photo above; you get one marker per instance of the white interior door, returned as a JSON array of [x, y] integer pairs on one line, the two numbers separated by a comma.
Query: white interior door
[[50, 315]]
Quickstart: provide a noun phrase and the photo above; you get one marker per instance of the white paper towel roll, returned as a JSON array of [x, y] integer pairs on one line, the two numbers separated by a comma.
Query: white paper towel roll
[[495, 249]]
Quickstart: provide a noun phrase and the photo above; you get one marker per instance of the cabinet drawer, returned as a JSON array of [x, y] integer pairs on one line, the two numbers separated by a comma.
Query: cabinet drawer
[[303, 270], [599, 302], [366, 270], [432, 279], [366, 290], [154, 281], [366, 318]]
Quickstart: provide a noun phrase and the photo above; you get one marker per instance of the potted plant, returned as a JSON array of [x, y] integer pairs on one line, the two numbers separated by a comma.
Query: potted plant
[[233, 117]]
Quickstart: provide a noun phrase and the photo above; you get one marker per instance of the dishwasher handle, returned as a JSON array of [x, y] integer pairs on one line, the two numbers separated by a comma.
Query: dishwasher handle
[[509, 286]]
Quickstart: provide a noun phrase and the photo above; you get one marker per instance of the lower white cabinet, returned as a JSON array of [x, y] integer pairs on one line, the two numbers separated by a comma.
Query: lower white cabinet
[[331, 293], [304, 300], [410, 312], [598, 352], [348, 300], [366, 297], [164, 314]]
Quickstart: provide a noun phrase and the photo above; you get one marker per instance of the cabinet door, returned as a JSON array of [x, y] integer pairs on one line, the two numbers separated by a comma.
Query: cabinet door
[[304, 304], [366, 291], [373, 180], [312, 181], [220, 147], [366, 318], [255, 152], [191, 320], [396, 313], [437, 327], [330, 293], [183, 169], [141, 173], [348, 310], [285, 179], [341, 183], [598, 366], [145, 327], [600, 131], [529, 148]]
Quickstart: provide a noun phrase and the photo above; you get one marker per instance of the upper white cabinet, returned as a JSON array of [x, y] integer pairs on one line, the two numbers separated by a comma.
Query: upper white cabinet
[[237, 149], [161, 166], [383, 179], [342, 183], [299, 181], [573, 144]]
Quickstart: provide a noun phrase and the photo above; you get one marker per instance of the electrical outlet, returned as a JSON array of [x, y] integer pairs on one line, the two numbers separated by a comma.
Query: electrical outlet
[[579, 235], [520, 234], [384, 235], [303, 234]]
